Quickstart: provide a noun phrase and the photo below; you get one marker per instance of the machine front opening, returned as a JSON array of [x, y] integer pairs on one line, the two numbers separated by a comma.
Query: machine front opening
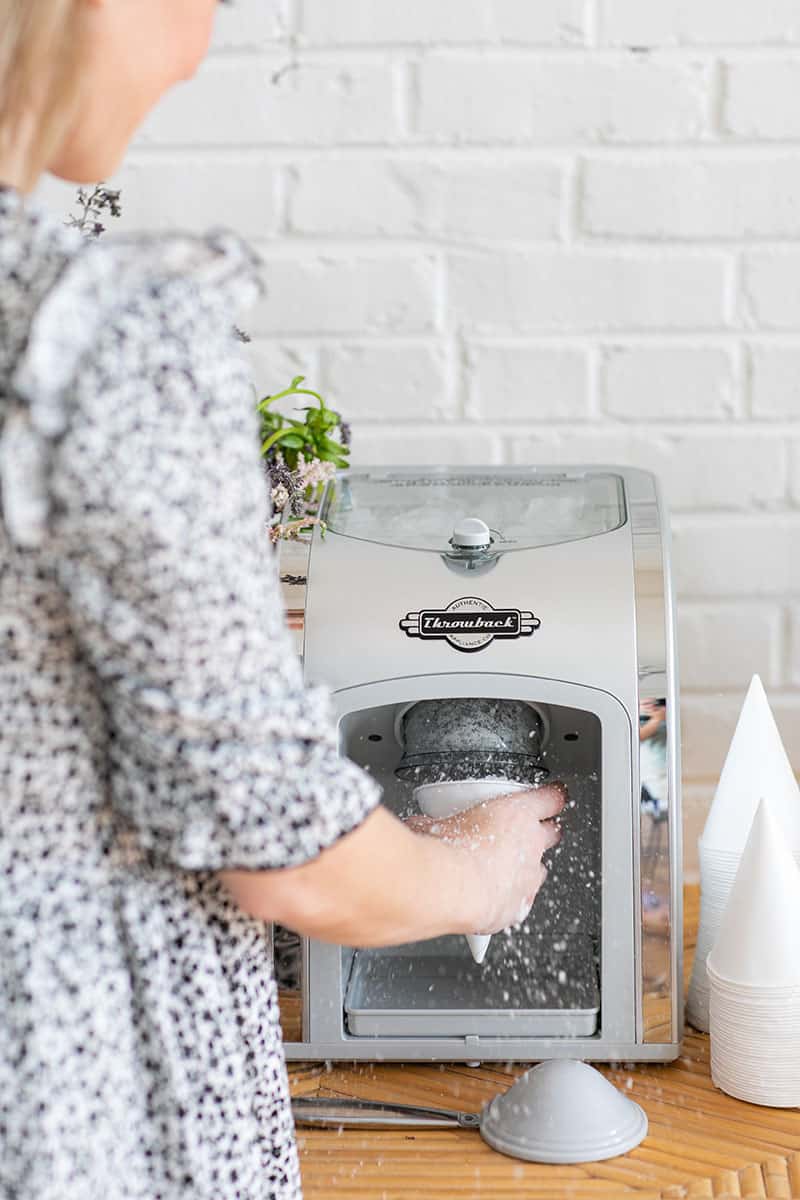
[[538, 979]]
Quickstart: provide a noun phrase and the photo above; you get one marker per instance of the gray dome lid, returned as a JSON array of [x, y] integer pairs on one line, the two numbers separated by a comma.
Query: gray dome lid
[[563, 1111]]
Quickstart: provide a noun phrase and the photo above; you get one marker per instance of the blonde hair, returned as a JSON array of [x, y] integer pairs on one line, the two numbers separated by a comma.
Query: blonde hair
[[39, 81]]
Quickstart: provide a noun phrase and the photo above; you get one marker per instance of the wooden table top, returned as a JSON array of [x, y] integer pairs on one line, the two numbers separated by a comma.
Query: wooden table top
[[700, 1141]]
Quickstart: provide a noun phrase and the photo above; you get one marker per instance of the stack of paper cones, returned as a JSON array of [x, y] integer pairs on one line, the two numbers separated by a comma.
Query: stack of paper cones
[[754, 974], [756, 765]]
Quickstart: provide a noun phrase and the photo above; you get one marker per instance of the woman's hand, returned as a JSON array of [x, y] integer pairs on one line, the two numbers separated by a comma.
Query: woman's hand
[[388, 882], [507, 837]]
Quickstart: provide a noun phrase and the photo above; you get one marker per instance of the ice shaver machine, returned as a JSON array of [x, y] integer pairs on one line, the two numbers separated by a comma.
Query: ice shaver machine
[[511, 625]]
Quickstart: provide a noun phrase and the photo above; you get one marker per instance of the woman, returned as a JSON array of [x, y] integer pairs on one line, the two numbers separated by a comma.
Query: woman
[[167, 784]]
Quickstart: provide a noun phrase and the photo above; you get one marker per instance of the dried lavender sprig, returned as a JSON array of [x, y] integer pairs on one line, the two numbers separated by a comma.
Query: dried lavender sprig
[[93, 205]]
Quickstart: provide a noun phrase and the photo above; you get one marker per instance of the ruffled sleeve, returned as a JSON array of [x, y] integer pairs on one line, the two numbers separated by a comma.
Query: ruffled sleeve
[[96, 285], [149, 502]]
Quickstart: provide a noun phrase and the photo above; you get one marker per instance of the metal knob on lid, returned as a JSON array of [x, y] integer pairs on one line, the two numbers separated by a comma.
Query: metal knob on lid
[[471, 533]]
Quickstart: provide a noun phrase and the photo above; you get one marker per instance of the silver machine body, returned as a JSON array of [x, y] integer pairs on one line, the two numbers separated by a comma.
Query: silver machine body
[[568, 608]]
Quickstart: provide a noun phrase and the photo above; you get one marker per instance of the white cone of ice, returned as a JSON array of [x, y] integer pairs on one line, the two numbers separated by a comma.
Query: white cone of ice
[[759, 936], [451, 797], [756, 765], [478, 944]]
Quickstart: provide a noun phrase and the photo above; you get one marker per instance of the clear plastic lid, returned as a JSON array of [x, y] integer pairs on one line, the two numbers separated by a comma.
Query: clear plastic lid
[[417, 510]]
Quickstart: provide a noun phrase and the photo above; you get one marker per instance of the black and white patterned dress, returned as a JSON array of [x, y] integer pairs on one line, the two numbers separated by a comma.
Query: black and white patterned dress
[[153, 727]]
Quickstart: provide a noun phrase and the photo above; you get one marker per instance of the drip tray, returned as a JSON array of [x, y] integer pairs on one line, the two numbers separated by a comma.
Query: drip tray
[[435, 988]]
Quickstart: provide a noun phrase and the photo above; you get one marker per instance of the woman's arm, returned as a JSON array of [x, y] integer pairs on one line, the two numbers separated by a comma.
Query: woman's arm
[[383, 884], [380, 884]]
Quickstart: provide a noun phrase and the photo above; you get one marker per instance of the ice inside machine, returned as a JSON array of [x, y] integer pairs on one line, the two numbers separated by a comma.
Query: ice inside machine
[[508, 598]]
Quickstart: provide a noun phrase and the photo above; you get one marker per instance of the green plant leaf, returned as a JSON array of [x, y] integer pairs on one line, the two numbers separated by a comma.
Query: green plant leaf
[[308, 436], [286, 437]]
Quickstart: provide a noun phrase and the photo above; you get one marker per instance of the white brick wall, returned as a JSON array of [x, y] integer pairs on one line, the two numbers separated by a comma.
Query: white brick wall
[[535, 231]]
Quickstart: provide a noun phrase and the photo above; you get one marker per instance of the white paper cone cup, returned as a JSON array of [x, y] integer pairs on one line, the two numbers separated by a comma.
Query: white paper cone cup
[[713, 896], [754, 1061], [754, 1092], [756, 765], [759, 935], [448, 798]]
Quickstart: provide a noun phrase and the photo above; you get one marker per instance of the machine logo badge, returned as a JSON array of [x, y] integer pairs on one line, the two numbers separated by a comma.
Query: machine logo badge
[[470, 623]]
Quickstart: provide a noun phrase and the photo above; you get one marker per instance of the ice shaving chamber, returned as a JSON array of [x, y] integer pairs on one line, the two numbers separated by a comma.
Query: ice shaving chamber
[[550, 588]]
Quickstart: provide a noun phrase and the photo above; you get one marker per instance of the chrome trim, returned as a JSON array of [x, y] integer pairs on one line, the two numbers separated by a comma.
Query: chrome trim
[[657, 846], [674, 771]]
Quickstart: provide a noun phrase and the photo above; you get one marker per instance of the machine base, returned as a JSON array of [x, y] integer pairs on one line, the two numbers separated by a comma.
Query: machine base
[[478, 1049]]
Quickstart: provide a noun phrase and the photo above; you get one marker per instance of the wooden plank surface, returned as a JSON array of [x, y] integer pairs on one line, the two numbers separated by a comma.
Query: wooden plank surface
[[700, 1141]]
